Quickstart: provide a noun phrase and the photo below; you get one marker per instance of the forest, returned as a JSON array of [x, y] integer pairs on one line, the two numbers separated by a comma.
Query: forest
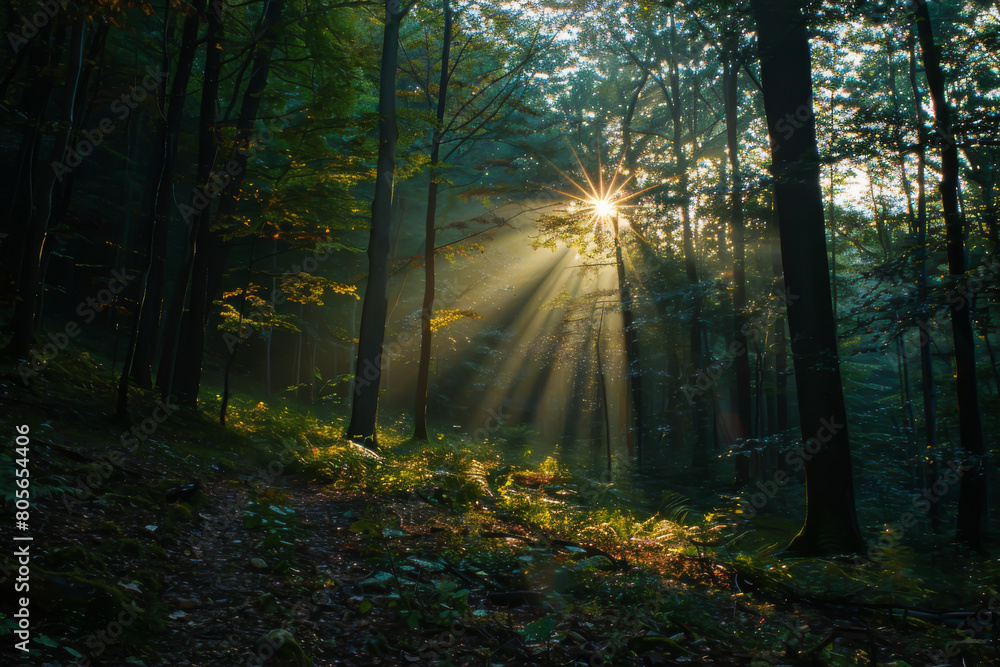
[[454, 332]]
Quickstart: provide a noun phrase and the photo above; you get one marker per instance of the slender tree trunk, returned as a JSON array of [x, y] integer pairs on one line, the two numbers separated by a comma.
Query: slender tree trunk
[[972, 502], [427, 309], [239, 336], [209, 262], [629, 327], [744, 462], [368, 371], [602, 386], [831, 525], [163, 164], [198, 234], [631, 331], [703, 429], [29, 286], [43, 57], [928, 388]]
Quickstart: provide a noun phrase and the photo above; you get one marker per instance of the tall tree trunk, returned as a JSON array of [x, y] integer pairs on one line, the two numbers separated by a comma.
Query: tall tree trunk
[[29, 286], [972, 500], [633, 370], [199, 236], [426, 311], [744, 462], [43, 57], [368, 371], [780, 341], [159, 215], [630, 328], [703, 430], [927, 385], [831, 525], [209, 262]]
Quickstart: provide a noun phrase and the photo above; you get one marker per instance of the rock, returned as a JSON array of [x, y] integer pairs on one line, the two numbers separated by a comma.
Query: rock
[[282, 645], [258, 563], [377, 583]]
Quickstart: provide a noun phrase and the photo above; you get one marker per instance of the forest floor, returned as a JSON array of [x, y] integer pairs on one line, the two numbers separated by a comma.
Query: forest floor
[[272, 541]]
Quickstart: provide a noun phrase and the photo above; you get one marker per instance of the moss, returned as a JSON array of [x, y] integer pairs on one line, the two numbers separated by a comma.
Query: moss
[[134, 548], [106, 528], [179, 512], [73, 558], [130, 500]]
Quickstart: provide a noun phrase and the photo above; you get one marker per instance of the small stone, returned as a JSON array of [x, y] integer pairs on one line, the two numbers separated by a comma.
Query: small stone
[[258, 563], [285, 648]]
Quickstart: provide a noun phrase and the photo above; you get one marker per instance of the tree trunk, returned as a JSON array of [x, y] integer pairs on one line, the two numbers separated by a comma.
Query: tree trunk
[[210, 260], [972, 501], [368, 371], [426, 312], [20, 195], [928, 388], [629, 327], [159, 216], [631, 331], [703, 430], [831, 525], [744, 462], [29, 286], [198, 236]]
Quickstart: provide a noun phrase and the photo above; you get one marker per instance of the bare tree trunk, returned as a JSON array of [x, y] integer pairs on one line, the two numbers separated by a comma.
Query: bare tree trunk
[[368, 371], [831, 525], [198, 234], [159, 216], [209, 261], [703, 429], [29, 286], [745, 461], [427, 309], [973, 495]]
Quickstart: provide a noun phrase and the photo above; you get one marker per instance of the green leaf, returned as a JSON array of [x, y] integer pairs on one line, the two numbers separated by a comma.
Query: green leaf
[[73, 652], [540, 629], [364, 606]]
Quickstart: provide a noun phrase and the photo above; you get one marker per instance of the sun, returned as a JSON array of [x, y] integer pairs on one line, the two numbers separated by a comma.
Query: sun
[[603, 207], [604, 199]]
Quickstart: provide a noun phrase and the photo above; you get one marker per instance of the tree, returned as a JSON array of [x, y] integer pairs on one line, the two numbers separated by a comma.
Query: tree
[[831, 524], [30, 283], [973, 499], [371, 337], [208, 263], [489, 89], [426, 311]]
